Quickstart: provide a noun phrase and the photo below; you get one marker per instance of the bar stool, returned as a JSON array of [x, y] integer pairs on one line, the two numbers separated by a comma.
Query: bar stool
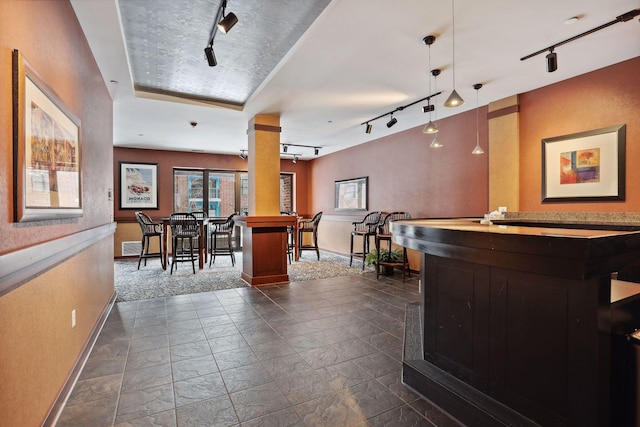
[[225, 230], [149, 229], [184, 228], [366, 229], [384, 235], [290, 237], [310, 226]]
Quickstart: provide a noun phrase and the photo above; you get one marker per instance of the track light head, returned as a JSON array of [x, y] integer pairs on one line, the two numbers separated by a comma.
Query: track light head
[[369, 128], [227, 22], [243, 156], [392, 122], [295, 159], [428, 108], [552, 61], [316, 151], [211, 58], [285, 148]]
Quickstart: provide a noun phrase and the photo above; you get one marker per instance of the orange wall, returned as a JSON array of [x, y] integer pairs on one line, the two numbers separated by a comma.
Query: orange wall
[[39, 347], [602, 98]]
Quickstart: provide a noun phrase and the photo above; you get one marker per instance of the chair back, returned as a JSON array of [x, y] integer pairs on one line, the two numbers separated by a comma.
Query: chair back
[[369, 223], [200, 215], [227, 226], [316, 220], [385, 225], [147, 225], [184, 224]]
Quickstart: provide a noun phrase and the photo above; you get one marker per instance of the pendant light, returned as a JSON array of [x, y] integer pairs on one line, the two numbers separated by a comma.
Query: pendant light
[[477, 149], [431, 126], [454, 99], [435, 143]]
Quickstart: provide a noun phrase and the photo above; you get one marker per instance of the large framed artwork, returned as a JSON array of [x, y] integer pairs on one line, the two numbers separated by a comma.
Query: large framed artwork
[[46, 150], [352, 194], [585, 166], [138, 185]]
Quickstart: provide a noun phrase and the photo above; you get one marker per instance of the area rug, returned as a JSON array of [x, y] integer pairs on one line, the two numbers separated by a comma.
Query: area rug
[[151, 281]]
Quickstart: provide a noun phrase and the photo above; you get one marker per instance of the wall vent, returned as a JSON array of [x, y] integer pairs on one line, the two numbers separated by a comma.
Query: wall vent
[[131, 248]]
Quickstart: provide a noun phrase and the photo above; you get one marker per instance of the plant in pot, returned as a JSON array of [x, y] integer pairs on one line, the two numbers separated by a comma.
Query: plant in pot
[[386, 256]]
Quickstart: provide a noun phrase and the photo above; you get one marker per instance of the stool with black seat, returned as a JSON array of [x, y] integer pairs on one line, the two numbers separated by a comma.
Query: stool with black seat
[[290, 236], [225, 230], [309, 226], [184, 230], [365, 229], [384, 235], [149, 229]]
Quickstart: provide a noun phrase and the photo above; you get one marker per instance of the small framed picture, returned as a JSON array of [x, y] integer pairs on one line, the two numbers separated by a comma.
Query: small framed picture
[[138, 185]]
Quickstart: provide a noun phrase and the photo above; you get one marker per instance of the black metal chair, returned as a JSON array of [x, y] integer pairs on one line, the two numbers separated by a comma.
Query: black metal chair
[[149, 229], [309, 226], [365, 229], [290, 236], [384, 235], [224, 230], [184, 229]]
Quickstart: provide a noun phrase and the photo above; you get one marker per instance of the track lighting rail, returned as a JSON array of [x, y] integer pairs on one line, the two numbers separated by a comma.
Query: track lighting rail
[[390, 113], [622, 18]]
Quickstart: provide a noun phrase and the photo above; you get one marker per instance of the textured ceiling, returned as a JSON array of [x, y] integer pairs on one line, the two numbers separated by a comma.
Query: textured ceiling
[[165, 41]]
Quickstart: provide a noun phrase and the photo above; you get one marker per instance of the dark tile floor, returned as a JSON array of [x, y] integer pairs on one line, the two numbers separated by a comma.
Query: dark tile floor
[[317, 353]]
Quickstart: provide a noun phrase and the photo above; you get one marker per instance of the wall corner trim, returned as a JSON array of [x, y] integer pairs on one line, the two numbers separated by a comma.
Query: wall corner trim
[[23, 265]]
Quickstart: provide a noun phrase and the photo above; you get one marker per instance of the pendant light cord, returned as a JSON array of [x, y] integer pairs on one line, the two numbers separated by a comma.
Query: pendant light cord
[[453, 39]]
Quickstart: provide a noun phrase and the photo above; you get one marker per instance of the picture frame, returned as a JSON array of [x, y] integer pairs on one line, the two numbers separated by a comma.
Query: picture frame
[[138, 183], [47, 178], [585, 167], [352, 194]]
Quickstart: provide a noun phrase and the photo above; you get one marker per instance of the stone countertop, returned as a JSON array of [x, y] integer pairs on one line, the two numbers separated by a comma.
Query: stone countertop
[[627, 219]]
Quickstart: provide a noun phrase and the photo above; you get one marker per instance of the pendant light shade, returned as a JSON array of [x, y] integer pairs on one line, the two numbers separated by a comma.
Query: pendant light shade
[[435, 143], [477, 149], [454, 99], [430, 128]]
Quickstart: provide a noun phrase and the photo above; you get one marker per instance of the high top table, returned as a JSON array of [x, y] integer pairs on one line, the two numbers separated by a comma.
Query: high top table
[[516, 324]]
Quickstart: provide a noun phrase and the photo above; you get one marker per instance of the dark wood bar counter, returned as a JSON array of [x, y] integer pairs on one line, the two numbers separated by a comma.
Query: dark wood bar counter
[[516, 324]]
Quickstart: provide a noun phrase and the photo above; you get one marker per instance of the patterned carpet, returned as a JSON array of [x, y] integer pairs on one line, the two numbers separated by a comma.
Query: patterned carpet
[[152, 281]]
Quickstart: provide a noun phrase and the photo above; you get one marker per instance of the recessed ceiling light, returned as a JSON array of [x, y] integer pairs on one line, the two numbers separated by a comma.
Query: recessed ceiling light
[[571, 20]]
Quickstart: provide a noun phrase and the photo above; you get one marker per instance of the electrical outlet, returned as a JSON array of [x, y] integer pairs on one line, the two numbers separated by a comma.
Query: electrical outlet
[[73, 318]]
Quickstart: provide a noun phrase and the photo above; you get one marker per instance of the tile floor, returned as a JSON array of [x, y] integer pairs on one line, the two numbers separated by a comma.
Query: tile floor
[[317, 353]]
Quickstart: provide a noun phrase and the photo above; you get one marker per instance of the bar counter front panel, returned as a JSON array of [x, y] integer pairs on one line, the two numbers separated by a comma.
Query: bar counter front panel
[[516, 321]]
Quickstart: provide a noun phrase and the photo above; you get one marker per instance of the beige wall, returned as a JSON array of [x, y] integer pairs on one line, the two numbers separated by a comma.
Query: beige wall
[[39, 347]]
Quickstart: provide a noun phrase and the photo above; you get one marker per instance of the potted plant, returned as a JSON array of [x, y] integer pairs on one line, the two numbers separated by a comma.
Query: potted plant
[[386, 256]]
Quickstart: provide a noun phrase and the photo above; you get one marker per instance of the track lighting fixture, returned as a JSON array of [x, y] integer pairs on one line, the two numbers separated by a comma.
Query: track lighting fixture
[[369, 128], [295, 159], [392, 122], [477, 149], [316, 151], [552, 58], [427, 108], [552, 61], [454, 100], [285, 148], [211, 58], [243, 154], [228, 20]]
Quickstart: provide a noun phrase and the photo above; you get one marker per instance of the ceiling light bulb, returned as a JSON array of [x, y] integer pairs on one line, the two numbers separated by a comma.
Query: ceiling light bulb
[[430, 128]]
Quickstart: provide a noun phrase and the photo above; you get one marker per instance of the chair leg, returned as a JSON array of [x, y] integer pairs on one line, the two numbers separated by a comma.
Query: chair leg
[[315, 243], [230, 244], [193, 262], [174, 246], [351, 251], [377, 257], [141, 252], [365, 240]]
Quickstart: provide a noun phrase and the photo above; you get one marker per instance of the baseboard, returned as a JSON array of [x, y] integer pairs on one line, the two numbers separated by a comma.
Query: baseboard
[[72, 378]]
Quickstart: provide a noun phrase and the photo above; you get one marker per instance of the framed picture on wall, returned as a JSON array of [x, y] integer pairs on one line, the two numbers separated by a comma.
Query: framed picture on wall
[[138, 185], [46, 146], [585, 166], [352, 194]]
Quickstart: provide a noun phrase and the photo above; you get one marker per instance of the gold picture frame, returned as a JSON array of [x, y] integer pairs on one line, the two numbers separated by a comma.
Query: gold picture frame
[[46, 150]]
